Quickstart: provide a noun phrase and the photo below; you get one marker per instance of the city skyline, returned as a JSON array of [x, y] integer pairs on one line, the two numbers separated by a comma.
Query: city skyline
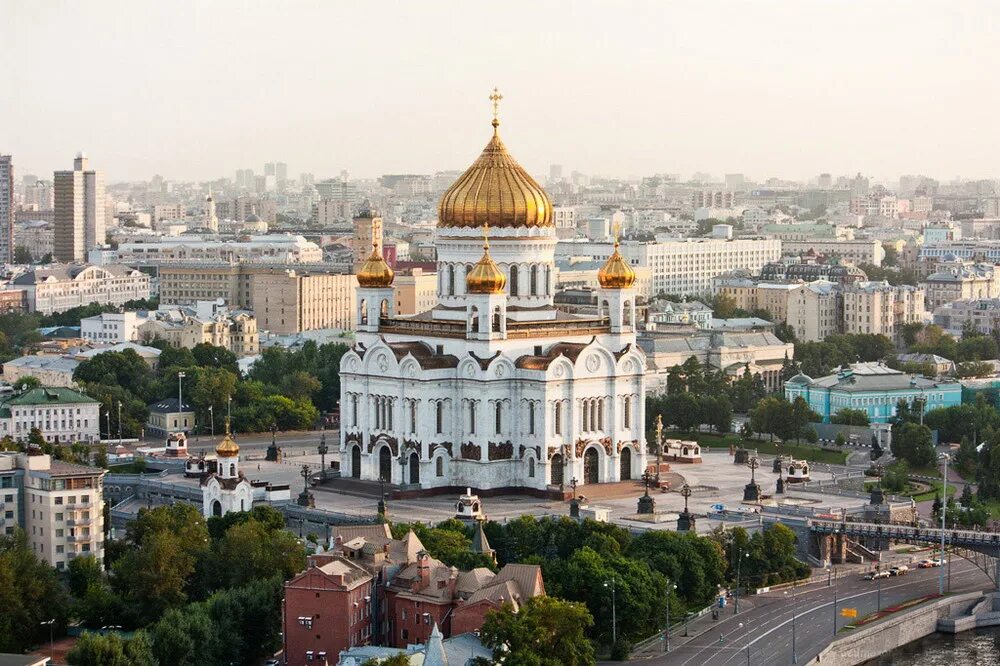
[[193, 91]]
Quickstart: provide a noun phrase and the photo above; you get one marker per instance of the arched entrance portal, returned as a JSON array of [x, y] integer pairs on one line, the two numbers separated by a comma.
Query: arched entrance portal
[[385, 464], [557, 469], [626, 464], [590, 462], [414, 468], [356, 462], [216, 508]]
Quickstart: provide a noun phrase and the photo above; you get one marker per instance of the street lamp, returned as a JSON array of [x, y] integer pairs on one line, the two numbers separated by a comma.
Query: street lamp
[[614, 612], [211, 412], [944, 509], [666, 638], [180, 391], [659, 446], [51, 624], [323, 449], [739, 561], [795, 656], [119, 423]]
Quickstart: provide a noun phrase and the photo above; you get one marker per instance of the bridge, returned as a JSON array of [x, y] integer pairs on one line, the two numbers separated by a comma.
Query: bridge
[[977, 547]]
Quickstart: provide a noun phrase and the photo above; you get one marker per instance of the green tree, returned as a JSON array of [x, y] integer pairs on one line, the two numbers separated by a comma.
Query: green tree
[[27, 382], [546, 631], [111, 650], [401, 659], [125, 369], [208, 355], [913, 443], [30, 593], [169, 546], [251, 551], [853, 417], [82, 572], [22, 255]]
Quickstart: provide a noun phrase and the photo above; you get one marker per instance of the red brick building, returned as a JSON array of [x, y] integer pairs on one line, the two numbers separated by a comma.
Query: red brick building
[[372, 589]]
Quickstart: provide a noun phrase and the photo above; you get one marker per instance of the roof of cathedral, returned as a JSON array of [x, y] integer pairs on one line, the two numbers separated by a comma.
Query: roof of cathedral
[[570, 350], [495, 190], [424, 354]]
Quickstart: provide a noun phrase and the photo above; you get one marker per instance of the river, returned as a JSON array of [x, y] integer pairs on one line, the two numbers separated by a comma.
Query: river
[[971, 648]]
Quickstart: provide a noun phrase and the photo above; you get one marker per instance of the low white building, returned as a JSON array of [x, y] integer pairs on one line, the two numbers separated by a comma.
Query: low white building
[[111, 327], [49, 369], [61, 414], [59, 287], [264, 248]]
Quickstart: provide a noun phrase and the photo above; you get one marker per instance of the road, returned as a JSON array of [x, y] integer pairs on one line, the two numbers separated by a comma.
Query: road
[[261, 440], [761, 635]]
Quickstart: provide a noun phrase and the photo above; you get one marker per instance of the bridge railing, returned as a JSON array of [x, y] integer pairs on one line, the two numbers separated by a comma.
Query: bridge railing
[[907, 532]]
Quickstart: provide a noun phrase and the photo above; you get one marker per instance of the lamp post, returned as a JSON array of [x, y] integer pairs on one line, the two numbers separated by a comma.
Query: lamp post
[[739, 561], [666, 639], [795, 656], [614, 611], [107, 417], [306, 498], [211, 417], [51, 624], [119, 423], [180, 390], [944, 510], [323, 449], [659, 446]]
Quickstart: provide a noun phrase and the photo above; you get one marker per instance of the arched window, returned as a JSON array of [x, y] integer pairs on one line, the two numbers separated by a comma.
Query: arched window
[[600, 414], [497, 418], [388, 413], [439, 417], [354, 410], [514, 271], [534, 280], [474, 320], [531, 468], [472, 417], [232, 469], [557, 418], [439, 466], [593, 414], [363, 315], [451, 279], [628, 411], [531, 418], [413, 417], [584, 414], [496, 320], [384, 308]]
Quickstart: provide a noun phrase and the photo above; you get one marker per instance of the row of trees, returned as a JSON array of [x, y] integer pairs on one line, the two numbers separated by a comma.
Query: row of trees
[[785, 420], [196, 592], [284, 389]]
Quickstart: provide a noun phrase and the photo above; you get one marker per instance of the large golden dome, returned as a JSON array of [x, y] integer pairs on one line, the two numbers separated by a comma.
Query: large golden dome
[[495, 190], [616, 273], [485, 277], [375, 272]]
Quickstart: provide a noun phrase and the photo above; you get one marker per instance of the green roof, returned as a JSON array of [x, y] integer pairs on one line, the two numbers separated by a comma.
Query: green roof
[[49, 396]]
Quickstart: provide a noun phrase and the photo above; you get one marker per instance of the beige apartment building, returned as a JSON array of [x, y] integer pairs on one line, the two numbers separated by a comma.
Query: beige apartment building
[[236, 332], [416, 291], [290, 301], [57, 287], [958, 280], [814, 311], [880, 308], [59, 505]]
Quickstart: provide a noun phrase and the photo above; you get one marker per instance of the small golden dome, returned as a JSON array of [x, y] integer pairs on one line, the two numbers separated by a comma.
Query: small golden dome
[[616, 273], [495, 190], [485, 277], [227, 448], [375, 272]]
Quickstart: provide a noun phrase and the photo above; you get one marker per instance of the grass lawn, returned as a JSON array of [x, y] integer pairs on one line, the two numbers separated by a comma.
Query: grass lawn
[[934, 472], [798, 451], [921, 496]]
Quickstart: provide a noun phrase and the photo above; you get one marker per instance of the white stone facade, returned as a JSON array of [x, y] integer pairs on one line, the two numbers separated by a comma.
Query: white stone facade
[[494, 391]]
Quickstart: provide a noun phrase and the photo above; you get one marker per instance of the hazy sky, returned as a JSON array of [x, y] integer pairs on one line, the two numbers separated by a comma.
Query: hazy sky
[[193, 90]]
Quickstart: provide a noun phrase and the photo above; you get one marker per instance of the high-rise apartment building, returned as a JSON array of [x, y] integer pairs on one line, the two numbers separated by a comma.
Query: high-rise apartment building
[[79, 211], [6, 208], [59, 505]]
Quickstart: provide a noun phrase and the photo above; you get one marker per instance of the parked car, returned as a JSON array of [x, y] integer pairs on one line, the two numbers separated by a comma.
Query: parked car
[[925, 564], [938, 562], [873, 575], [899, 571]]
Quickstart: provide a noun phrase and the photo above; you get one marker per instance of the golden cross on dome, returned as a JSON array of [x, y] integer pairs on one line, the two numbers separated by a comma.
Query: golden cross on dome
[[495, 98], [616, 229], [486, 236]]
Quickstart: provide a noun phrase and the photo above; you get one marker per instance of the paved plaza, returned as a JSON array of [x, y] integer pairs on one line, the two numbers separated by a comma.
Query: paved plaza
[[715, 481]]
